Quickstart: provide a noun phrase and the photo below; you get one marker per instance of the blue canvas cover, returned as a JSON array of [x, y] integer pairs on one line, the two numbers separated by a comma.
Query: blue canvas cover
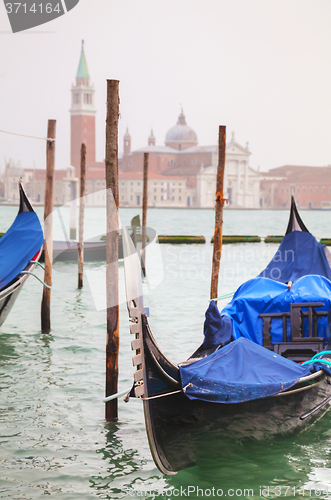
[[299, 254], [263, 295], [217, 329], [240, 371], [19, 245], [244, 370]]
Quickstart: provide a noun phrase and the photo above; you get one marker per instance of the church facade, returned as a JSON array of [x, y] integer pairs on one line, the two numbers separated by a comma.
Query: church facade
[[181, 157]]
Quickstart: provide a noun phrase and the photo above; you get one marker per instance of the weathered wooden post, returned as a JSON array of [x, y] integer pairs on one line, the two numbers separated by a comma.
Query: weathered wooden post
[[145, 201], [73, 211], [112, 247], [218, 212], [48, 226], [81, 216]]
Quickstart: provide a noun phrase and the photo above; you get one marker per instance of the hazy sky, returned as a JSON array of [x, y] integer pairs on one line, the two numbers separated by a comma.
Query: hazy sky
[[260, 67]]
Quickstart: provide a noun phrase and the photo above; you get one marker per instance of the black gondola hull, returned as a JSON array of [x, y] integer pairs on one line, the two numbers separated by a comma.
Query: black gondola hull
[[6, 304], [181, 431], [179, 428]]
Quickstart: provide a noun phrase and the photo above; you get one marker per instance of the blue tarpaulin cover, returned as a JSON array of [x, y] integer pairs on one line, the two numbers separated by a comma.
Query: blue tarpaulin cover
[[299, 254], [262, 295], [240, 371], [19, 245], [217, 328], [244, 370]]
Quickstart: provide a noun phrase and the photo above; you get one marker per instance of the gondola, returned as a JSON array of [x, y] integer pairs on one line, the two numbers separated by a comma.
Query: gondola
[[263, 370], [95, 251], [67, 251], [20, 251]]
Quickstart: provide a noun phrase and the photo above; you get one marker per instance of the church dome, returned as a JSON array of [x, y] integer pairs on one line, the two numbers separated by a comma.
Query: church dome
[[181, 136]]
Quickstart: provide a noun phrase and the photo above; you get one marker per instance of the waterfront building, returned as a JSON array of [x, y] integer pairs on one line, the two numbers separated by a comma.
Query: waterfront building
[[181, 156], [311, 187], [162, 191]]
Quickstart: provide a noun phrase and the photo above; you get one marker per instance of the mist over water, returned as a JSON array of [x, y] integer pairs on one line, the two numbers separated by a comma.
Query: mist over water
[[53, 437]]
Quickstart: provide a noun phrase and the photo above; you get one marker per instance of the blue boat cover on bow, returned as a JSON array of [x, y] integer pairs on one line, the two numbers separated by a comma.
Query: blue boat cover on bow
[[299, 254], [217, 328], [263, 295], [19, 245], [240, 371]]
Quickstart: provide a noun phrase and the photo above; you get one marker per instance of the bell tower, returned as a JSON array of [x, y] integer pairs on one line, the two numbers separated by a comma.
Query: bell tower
[[151, 139], [126, 143], [82, 113]]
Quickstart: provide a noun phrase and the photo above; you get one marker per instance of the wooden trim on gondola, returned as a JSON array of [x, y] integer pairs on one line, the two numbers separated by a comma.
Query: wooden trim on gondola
[[293, 389]]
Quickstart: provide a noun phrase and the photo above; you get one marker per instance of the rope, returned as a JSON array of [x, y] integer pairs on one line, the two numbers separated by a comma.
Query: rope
[[29, 136], [37, 263], [123, 393], [225, 296], [320, 354], [324, 361], [161, 395], [41, 281], [117, 395]]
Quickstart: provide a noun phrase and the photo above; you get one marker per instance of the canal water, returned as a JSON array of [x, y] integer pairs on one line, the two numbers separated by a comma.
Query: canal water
[[53, 437]]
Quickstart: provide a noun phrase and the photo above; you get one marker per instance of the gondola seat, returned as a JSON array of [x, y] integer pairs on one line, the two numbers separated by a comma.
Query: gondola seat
[[299, 348]]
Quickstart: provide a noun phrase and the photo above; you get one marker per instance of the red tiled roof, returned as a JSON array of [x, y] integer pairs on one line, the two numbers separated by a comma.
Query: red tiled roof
[[41, 174], [298, 174], [91, 173], [182, 170], [151, 175], [96, 173]]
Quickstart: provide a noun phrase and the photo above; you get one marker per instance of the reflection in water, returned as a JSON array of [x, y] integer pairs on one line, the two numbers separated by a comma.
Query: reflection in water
[[125, 471], [254, 465], [46, 339], [250, 468], [8, 348]]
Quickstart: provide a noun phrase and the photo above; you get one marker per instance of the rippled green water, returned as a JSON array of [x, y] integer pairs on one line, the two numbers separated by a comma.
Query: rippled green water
[[53, 437]]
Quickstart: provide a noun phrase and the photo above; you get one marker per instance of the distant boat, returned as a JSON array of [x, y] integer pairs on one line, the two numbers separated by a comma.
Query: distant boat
[[20, 250], [94, 251], [326, 205], [243, 381]]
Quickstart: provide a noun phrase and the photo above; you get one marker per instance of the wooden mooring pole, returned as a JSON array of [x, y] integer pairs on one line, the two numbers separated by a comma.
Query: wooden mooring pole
[[48, 226], [145, 202], [218, 212], [81, 216], [112, 345]]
